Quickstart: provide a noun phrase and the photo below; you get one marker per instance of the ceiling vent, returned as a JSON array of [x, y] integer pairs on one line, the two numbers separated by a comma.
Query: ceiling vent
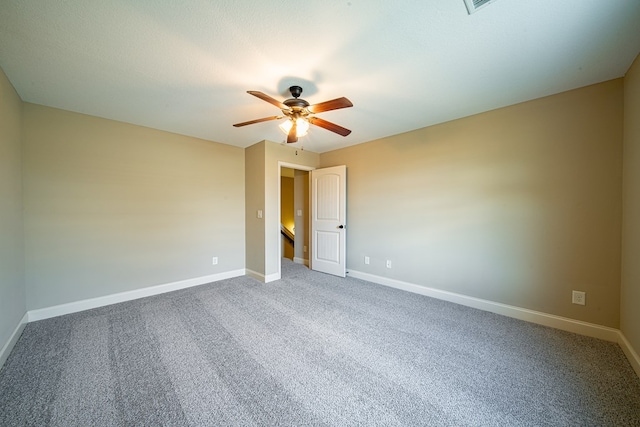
[[475, 5]]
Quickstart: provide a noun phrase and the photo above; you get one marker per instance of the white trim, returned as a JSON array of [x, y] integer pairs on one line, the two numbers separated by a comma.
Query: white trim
[[301, 261], [261, 277], [87, 304], [563, 323], [272, 277], [281, 165], [558, 322], [631, 354], [295, 166], [13, 339], [255, 275]]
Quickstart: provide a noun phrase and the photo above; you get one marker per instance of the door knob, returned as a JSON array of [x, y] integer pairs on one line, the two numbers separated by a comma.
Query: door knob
[[341, 226]]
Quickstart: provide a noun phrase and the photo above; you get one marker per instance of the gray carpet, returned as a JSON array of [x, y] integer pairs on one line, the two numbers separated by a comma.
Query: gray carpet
[[310, 349]]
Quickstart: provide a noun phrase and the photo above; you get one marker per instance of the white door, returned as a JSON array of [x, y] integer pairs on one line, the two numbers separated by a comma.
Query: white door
[[328, 215]]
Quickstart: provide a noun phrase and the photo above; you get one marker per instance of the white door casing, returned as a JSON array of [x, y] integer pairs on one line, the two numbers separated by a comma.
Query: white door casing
[[328, 220]]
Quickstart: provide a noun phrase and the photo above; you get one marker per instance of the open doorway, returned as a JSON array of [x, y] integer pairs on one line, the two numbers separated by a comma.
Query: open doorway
[[294, 214]]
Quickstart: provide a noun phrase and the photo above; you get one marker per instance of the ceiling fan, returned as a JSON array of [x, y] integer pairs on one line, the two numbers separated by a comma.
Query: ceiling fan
[[300, 113]]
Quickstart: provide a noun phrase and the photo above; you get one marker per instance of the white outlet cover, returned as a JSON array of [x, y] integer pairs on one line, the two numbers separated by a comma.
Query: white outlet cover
[[578, 297]]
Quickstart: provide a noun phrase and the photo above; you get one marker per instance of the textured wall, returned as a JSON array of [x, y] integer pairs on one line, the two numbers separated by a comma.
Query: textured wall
[[113, 207], [519, 205], [12, 294], [630, 292]]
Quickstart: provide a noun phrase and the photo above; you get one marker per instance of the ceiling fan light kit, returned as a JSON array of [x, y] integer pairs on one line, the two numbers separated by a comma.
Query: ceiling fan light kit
[[302, 126], [300, 114]]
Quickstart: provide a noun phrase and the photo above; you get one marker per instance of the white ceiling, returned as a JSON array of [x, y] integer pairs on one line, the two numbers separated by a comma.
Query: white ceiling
[[185, 65]]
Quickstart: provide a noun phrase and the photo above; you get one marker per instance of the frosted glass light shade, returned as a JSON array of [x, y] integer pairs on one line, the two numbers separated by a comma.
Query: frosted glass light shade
[[301, 130]]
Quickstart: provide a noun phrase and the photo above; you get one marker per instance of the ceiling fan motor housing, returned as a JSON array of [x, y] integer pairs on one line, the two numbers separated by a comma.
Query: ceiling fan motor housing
[[295, 104]]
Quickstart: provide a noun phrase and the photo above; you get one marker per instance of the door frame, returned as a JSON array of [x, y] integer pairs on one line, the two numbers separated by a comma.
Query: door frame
[[281, 165]]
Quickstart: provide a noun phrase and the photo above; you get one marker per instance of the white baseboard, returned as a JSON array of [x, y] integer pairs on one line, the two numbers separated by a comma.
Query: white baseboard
[[631, 354], [87, 304], [255, 275], [272, 277], [261, 277], [13, 339], [301, 261], [558, 322], [563, 323]]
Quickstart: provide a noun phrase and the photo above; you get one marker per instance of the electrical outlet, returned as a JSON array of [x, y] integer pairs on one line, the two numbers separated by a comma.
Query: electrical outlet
[[259, 213], [367, 260], [388, 263], [578, 297], [214, 260], [304, 249]]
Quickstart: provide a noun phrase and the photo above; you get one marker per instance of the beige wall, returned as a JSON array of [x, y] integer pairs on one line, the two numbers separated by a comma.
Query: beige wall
[[301, 202], [286, 202], [519, 205], [630, 291], [113, 207], [294, 197], [286, 212], [254, 201], [12, 293], [262, 162]]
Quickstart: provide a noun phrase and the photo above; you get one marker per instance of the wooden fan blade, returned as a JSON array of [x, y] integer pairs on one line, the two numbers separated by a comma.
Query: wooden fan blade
[[334, 104], [329, 126], [293, 133], [265, 119], [269, 99]]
